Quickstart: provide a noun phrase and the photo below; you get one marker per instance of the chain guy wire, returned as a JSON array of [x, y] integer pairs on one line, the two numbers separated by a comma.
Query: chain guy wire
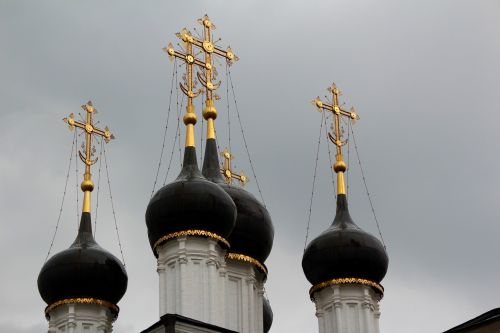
[[113, 206], [366, 188], [314, 179], [330, 158], [174, 73], [98, 189], [62, 201], [349, 127], [244, 138]]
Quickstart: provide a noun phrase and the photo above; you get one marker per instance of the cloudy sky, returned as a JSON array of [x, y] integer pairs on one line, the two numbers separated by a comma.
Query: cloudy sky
[[423, 76]]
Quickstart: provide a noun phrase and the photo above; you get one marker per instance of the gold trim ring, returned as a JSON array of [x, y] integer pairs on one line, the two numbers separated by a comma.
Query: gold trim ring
[[83, 300], [194, 232], [332, 282], [242, 257]]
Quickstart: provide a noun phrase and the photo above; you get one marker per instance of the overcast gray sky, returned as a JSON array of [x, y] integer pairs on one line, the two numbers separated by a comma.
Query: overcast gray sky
[[423, 76]]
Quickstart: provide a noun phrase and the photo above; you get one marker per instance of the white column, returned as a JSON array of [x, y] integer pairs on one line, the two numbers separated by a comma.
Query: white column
[[347, 309], [191, 278], [76, 318], [246, 296]]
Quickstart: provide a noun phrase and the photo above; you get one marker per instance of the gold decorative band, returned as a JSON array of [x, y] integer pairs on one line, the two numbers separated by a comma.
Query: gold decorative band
[[195, 232], [242, 257], [331, 282], [83, 300]]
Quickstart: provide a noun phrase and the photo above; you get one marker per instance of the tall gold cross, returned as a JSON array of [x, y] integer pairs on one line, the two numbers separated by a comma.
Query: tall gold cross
[[190, 60], [228, 174], [89, 129], [208, 47], [339, 167]]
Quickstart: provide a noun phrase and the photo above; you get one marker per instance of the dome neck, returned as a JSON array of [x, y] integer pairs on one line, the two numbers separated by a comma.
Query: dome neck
[[84, 236], [189, 165], [342, 217], [211, 166]]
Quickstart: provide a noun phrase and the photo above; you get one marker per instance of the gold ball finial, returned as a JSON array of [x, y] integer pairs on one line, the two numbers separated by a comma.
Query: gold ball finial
[[210, 112], [339, 166], [189, 118], [87, 185]]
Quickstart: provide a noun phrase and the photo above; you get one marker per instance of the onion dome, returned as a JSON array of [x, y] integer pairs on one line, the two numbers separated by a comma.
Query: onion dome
[[253, 234], [267, 314], [344, 254], [84, 273], [190, 206]]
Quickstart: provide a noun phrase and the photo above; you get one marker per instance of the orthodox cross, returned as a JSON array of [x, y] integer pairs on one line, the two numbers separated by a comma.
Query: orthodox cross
[[228, 174], [339, 167], [209, 48], [89, 129], [190, 60]]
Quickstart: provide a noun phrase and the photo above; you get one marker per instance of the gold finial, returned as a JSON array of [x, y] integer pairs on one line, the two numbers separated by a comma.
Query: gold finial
[[188, 87], [340, 166], [228, 174], [89, 129]]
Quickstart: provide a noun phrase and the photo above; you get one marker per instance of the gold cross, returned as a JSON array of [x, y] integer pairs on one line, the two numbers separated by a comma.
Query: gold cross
[[89, 130], [228, 174], [208, 47], [340, 167], [190, 60]]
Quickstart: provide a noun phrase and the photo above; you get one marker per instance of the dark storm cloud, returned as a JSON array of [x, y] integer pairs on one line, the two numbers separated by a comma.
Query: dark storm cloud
[[422, 75]]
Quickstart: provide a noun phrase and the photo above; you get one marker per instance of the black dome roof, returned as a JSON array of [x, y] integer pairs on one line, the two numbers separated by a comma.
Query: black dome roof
[[190, 203], [267, 314], [84, 270], [253, 233], [344, 251]]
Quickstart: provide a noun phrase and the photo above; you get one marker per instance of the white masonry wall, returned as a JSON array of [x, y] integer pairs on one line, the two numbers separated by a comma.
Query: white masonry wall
[[244, 297], [80, 318], [192, 279], [347, 309]]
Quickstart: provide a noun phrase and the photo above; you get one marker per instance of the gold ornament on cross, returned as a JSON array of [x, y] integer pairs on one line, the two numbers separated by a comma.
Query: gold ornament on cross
[[228, 173]]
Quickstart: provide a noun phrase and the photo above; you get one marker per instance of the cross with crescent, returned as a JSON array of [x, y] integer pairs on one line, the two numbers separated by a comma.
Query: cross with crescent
[[89, 130], [228, 174]]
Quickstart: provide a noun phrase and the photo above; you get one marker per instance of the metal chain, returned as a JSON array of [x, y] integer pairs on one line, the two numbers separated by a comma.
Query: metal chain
[[179, 120], [314, 180], [98, 189], [330, 158], [366, 188], [174, 73], [62, 201], [349, 125], [244, 138], [113, 206]]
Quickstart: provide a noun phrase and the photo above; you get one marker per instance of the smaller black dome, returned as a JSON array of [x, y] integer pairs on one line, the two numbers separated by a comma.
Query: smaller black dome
[[190, 203], [344, 251], [253, 233], [85, 270], [267, 315]]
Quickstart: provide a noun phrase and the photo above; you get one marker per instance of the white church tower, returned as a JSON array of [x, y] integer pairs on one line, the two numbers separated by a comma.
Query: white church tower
[[344, 264], [210, 238], [83, 284]]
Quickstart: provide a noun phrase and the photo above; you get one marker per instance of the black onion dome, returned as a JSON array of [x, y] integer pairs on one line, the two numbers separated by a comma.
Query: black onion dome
[[344, 251], [267, 315], [190, 203], [85, 270], [253, 233]]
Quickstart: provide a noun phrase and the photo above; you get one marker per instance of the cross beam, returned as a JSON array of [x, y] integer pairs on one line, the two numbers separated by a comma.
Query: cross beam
[[90, 130], [228, 173]]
